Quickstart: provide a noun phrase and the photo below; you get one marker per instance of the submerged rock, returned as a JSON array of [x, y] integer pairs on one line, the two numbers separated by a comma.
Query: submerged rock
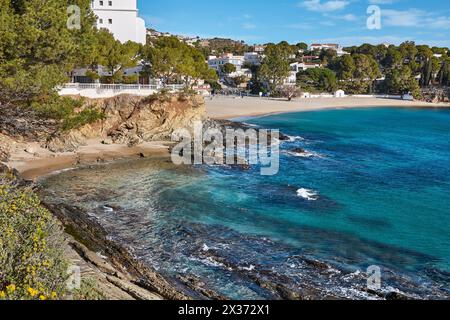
[[299, 150]]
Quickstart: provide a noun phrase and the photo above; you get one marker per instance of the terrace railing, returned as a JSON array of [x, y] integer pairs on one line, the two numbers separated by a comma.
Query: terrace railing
[[122, 87], [97, 90]]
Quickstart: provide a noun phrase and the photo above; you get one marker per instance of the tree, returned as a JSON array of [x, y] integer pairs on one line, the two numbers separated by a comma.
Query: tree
[[275, 67], [116, 57], [199, 69], [408, 50], [327, 56], [401, 81], [393, 58], [165, 58], [302, 46], [317, 79], [444, 73], [174, 61], [290, 92], [37, 50], [345, 67], [228, 68], [427, 73], [368, 49]]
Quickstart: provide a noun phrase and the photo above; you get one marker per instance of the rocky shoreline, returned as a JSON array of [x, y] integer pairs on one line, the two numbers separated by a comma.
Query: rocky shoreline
[[114, 264], [116, 267]]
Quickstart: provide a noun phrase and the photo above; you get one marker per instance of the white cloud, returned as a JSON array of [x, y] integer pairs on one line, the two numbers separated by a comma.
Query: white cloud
[[327, 6], [248, 26], [414, 18], [358, 40], [439, 22], [397, 18], [348, 17]]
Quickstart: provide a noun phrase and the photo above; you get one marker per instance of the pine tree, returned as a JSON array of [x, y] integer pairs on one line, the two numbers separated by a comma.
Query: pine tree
[[427, 73]]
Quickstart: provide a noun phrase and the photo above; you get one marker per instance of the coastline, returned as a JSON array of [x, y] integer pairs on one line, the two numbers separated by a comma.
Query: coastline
[[39, 162], [222, 108], [33, 162]]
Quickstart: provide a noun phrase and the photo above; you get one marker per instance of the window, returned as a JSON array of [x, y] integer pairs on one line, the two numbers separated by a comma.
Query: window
[[110, 3], [100, 21], [110, 21], [101, 3]]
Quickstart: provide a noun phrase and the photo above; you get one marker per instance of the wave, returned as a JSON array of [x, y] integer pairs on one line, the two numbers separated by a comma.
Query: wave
[[307, 194], [295, 138], [306, 154], [251, 125]]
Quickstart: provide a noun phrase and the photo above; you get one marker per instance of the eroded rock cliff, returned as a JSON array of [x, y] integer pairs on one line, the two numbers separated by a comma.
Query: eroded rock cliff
[[131, 120]]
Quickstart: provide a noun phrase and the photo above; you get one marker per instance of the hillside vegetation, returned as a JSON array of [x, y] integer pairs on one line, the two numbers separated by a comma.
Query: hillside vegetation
[[31, 246]]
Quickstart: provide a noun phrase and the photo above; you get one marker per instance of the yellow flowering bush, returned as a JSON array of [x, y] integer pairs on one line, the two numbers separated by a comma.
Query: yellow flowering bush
[[32, 264]]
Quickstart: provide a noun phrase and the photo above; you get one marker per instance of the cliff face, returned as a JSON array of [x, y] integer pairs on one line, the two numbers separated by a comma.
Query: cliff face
[[131, 120], [5, 147]]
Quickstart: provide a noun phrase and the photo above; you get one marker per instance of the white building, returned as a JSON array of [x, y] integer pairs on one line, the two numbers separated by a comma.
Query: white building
[[259, 48], [216, 63], [252, 58], [296, 67], [339, 94], [121, 18], [325, 46], [329, 46]]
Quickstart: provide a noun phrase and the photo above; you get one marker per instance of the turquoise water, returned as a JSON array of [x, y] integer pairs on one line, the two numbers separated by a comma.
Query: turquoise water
[[373, 190]]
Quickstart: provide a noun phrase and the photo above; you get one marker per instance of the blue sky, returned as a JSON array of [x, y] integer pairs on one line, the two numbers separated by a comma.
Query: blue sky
[[341, 21]]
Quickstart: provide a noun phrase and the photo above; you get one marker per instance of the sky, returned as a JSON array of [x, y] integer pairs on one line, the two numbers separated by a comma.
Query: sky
[[310, 21]]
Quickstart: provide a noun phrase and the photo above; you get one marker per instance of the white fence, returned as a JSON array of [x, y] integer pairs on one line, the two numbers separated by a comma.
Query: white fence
[[379, 96], [97, 90]]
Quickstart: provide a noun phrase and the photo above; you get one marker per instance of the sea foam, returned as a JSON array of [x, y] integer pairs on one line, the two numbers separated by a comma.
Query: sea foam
[[295, 138], [306, 154], [307, 194]]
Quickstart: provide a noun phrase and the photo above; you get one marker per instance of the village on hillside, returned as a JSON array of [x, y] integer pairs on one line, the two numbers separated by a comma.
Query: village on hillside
[[283, 69]]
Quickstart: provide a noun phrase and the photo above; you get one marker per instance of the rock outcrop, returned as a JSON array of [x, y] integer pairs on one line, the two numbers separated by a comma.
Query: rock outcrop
[[436, 94], [131, 120], [5, 147]]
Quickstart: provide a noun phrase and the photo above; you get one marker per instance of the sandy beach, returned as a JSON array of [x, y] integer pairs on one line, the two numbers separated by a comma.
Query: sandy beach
[[40, 162], [32, 161], [230, 107]]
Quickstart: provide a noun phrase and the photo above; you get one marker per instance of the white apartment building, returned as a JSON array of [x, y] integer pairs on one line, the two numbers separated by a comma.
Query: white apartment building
[[252, 58], [329, 46], [121, 18], [215, 62]]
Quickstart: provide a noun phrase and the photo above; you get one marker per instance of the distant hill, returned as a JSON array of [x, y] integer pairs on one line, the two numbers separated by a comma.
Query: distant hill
[[221, 45]]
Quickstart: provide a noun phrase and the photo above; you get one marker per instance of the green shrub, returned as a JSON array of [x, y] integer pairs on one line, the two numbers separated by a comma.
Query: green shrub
[[65, 110], [32, 264], [132, 79], [82, 118], [57, 108], [88, 291]]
